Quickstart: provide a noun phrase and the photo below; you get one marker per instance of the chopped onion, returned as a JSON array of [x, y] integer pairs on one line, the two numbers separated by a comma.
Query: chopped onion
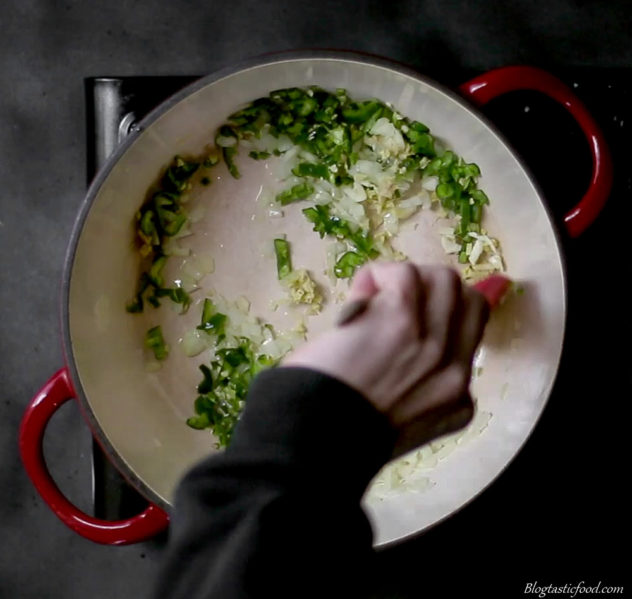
[[388, 137], [322, 195], [284, 143], [194, 342], [334, 250], [243, 303], [450, 246], [476, 251], [171, 247], [406, 207], [391, 223], [276, 348], [225, 141], [496, 261], [197, 267], [430, 183], [197, 214], [185, 231], [355, 193], [352, 211]]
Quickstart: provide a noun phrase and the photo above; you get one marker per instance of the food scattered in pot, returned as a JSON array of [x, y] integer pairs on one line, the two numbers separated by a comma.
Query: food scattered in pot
[[356, 170]]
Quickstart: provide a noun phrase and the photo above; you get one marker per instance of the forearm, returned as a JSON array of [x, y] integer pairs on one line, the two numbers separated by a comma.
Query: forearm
[[282, 502]]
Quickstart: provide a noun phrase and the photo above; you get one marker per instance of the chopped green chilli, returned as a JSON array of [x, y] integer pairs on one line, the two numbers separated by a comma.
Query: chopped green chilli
[[366, 151], [259, 155], [295, 193], [156, 343], [326, 224], [284, 263], [347, 263], [222, 391], [211, 159], [212, 321], [158, 219]]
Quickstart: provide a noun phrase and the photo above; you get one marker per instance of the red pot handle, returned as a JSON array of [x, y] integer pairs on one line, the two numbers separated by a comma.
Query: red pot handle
[[497, 82], [53, 394]]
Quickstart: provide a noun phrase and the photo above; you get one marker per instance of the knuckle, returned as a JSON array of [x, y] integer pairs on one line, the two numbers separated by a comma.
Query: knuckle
[[406, 278], [403, 291]]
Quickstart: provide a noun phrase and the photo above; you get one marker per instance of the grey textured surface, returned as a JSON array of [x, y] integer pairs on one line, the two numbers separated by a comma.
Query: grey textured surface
[[46, 49]]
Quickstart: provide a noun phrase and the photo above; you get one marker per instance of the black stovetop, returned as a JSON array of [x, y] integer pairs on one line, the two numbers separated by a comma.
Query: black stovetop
[[587, 405]]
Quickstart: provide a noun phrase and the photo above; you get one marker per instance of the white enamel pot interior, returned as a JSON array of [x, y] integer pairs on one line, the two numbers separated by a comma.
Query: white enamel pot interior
[[139, 417]]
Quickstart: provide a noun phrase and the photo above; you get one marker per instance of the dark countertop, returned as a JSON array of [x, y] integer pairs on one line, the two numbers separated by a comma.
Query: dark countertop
[[557, 515]]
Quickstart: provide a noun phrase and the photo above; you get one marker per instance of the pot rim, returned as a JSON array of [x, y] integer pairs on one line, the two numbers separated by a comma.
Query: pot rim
[[288, 56]]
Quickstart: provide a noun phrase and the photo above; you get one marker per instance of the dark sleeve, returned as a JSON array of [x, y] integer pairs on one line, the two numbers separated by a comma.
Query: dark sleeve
[[278, 513]]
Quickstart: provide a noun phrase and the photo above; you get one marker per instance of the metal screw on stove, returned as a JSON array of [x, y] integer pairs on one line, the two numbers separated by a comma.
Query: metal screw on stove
[[127, 126]]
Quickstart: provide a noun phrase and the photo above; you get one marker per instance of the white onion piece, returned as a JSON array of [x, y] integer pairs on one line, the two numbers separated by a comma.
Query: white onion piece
[[276, 348], [184, 231], [334, 250], [284, 143], [171, 247], [194, 342], [243, 303], [476, 251], [225, 141], [322, 197], [406, 207], [355, 193], [391, 223], [388, 137], [430, 183], [197, 267], [450, 246], [197, 214]]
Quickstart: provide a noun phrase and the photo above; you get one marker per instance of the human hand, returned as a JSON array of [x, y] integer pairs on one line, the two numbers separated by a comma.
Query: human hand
[[410, 352]]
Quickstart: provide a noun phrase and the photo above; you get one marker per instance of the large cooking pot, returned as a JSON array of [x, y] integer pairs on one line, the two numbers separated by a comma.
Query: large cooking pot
[[139, 417]]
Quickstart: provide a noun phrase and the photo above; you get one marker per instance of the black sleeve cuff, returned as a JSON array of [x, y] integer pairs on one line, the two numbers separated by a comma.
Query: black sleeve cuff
[[318, 424]]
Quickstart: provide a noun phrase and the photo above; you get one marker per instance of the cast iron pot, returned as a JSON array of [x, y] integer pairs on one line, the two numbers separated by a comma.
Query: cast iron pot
[[139, 422]]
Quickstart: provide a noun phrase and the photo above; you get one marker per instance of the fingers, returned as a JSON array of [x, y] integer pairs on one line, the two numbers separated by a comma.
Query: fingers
[[403, 298], [455, 317], [363, 285], [444, 298], [400, 280], [395, 292], [441, 390], [475, 315], [439, 322], [429, 323]]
